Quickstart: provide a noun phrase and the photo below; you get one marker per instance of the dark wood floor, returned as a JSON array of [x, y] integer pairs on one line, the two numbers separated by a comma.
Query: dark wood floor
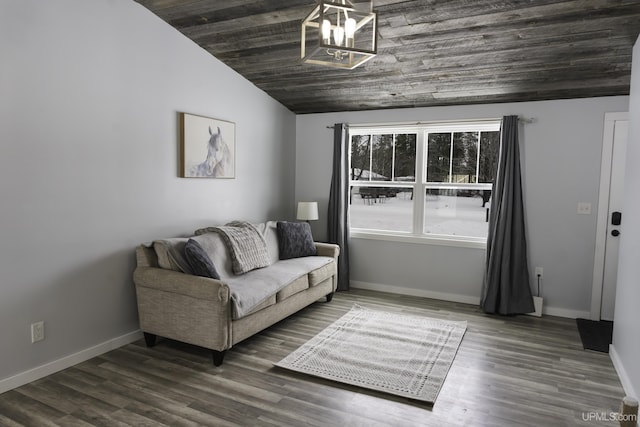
[[509, 371]]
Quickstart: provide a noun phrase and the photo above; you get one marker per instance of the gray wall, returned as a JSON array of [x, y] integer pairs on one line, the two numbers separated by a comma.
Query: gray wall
[[89, 98], [627, 316], [561, 160]]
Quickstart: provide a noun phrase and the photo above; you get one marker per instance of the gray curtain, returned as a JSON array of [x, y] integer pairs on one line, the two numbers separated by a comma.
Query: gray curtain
[[506, 288], [338, 224]]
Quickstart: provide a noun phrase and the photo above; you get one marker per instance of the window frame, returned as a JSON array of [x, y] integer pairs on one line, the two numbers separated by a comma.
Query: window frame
[[420, 185]]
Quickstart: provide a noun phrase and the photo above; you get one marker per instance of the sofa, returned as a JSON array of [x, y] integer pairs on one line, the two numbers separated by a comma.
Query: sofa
[[216, 288]]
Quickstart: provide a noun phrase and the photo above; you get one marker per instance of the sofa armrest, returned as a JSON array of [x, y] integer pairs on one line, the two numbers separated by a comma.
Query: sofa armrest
[[183, 307], [180, 283], [327, 249]]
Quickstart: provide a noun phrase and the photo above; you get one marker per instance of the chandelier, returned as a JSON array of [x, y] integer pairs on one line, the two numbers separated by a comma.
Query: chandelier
[[338, 35]]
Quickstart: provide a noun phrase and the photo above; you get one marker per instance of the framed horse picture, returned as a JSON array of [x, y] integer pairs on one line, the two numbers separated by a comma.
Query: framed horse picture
[[207, 147]]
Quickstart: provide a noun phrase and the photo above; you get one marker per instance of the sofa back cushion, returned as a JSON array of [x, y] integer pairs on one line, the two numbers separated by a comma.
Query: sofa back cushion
[[270, 234], [199, 260], [214, 246], [268, 231], [245, 244], [170, 253]]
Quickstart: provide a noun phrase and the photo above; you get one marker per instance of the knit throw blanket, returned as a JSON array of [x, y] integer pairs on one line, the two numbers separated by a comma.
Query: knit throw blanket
[[246, 246]]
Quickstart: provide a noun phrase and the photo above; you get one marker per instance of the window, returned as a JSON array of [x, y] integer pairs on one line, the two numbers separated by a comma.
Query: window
[[427, 181]]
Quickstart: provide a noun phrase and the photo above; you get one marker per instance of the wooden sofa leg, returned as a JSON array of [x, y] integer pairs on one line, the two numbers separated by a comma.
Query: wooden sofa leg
[[149, 339], [329, 297], [218, 357]]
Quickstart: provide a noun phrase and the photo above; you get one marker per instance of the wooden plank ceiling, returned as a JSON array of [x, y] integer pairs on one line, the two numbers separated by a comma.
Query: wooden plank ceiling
[[430, 52]]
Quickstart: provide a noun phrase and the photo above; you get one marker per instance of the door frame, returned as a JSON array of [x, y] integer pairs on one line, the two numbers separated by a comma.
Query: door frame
[[603, 210]]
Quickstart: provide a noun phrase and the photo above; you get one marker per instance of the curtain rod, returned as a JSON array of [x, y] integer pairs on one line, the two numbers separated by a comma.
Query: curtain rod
[[399, 124]]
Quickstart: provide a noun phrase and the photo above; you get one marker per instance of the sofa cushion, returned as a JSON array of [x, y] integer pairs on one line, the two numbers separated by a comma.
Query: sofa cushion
[[245, 244], [321, 274], [215, 248], [252, 288], [269, 232], [170, 253], [300, 284], [295, 240], [264, 304], [200, 263]]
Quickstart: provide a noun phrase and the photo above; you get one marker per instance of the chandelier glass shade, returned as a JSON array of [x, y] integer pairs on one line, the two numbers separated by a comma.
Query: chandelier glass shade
[[336, 34]]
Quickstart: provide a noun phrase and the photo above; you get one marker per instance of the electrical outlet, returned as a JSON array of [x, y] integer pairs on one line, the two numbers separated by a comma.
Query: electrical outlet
[[539, 272], [37, 331]]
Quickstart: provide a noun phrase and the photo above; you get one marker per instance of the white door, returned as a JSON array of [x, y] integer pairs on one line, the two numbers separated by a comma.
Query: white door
[[610, 216]]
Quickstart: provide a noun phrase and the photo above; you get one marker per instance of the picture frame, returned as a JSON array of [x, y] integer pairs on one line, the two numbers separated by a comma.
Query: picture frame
[[207, 147]]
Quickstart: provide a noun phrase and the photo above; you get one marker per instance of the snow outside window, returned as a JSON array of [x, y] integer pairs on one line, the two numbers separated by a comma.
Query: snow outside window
[[424, 181]]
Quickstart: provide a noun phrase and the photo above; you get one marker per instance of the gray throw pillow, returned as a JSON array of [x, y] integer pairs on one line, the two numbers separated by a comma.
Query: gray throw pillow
[[199, 261], [295, 240]]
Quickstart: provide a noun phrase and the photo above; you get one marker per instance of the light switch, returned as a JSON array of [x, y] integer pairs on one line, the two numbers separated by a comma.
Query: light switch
[[584, 208]]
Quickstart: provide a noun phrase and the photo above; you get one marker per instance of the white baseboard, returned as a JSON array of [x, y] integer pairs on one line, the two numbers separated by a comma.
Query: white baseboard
[[466, 299], [67, 361], [565, 312], [622, 373]]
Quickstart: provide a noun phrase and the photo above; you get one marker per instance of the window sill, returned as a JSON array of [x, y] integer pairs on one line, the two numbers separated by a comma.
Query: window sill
[[461, 242]]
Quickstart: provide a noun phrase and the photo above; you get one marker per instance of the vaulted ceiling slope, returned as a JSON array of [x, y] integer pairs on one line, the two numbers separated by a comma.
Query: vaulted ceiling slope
[[430, 52]]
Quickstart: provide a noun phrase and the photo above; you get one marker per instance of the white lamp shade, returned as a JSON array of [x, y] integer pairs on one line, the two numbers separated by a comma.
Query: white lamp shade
[[307, 211]]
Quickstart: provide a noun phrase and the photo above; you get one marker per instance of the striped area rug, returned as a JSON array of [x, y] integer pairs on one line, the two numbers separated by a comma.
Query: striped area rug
[[401, 354]]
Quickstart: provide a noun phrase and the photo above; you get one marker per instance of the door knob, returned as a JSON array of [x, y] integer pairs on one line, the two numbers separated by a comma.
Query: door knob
[[615, 233]]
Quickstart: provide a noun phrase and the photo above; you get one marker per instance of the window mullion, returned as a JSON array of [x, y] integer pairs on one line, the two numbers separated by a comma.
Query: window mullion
[[478, 158], [370, 156], [418, 186], [393, 158], [451, 160]]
